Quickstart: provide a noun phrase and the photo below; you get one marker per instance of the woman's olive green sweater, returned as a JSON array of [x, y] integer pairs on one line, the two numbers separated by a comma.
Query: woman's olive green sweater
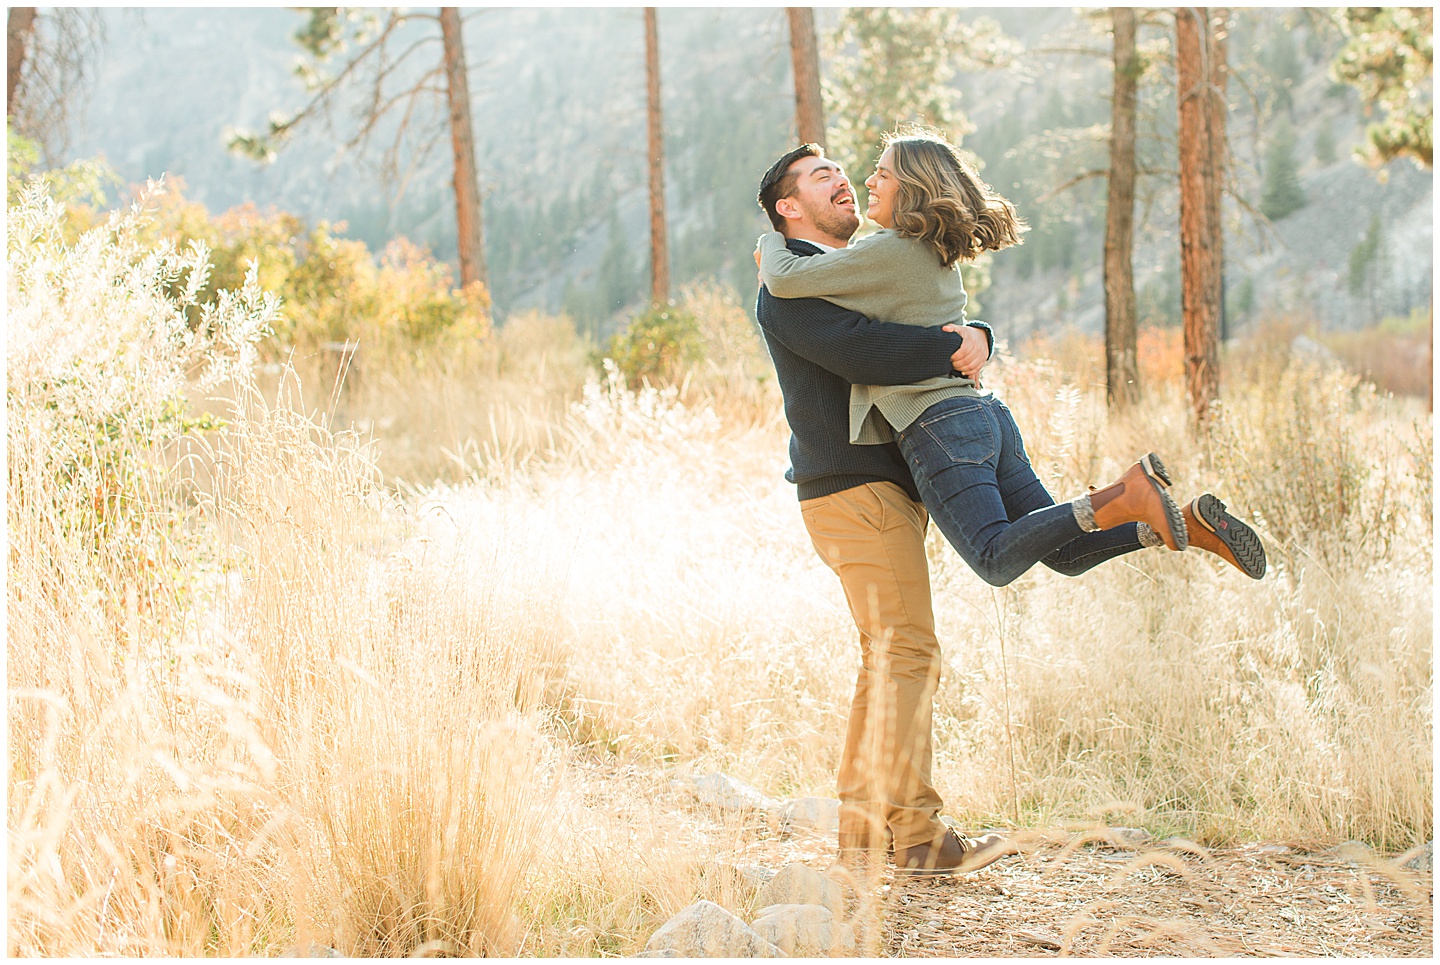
[[890, 278]]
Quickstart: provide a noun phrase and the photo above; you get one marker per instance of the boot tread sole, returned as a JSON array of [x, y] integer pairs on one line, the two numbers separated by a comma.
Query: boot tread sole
[[1154, 467], [1160, 479], [1239, 539]]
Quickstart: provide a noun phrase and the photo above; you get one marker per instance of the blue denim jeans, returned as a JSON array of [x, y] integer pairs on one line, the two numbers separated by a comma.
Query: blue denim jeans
[[974, 477]]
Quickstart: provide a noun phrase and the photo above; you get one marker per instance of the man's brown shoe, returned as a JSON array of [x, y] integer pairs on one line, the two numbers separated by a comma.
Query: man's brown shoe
[[1216, 531], [1140, 497], [951, 853]]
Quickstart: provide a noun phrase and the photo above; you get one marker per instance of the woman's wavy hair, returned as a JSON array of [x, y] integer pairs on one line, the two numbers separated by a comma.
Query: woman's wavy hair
[[943, 202]]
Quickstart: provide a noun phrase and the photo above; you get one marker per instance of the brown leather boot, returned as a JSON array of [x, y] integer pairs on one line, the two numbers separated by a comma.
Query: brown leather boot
[[1216, 531], [952, 853], [1140, 497]]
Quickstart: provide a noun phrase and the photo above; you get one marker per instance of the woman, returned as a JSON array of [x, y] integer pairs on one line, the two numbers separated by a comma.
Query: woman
[[963, 446]]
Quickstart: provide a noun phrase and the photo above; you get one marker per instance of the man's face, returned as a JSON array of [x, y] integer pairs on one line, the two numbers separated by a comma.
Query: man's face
[[823, 197]]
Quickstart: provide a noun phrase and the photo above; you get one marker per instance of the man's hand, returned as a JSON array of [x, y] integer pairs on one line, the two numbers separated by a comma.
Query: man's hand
[[974, 350]]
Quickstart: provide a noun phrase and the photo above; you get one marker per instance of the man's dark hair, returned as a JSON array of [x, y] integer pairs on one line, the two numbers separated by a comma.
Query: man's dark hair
[[779, 181]]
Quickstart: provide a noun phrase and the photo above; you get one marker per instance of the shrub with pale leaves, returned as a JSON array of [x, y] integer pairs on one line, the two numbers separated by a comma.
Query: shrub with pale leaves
[[107, 334]]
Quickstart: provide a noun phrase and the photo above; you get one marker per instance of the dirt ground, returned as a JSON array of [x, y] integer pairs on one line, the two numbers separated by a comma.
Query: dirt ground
[[1095, 893]]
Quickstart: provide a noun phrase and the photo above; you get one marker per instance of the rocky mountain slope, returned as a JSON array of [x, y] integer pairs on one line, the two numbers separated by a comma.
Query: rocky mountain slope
[[559, 106]]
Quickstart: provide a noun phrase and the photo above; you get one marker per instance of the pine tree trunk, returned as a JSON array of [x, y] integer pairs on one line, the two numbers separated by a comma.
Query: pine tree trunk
[[18, 27], [659, 250], [462, 139], [1199, 257], [805, 58], [1219, 104], [1122, 373]]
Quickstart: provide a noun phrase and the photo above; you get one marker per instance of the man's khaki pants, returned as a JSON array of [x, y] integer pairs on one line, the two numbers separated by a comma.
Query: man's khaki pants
[[873, 537]]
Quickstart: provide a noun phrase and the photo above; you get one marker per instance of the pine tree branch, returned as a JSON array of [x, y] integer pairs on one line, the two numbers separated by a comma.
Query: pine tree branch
[[1102, 174], [320, 101], [378, 110], [1066, 51], [391, 65]]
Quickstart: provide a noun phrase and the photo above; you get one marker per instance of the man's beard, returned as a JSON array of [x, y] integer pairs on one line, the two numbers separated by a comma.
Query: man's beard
[[832, 220]]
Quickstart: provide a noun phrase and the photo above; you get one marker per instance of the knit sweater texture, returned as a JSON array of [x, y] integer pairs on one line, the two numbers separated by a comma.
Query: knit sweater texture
[[819, 350], [886, 276]]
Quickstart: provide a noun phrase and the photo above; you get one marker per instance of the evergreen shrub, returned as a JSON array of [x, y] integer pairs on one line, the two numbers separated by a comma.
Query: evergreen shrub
[[657, 346]]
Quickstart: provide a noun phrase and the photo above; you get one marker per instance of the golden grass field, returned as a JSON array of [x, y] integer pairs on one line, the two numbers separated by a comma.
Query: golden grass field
[[279, 681]]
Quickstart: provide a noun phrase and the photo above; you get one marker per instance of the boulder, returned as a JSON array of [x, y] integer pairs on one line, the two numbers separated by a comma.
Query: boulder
[[705, 930], [1352, 851], [726, 793], [798, 885], [1421, 858], [820, 813], [806, 931]]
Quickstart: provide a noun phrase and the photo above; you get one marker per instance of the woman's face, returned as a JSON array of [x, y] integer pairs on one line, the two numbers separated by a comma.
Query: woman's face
[[879, 207]]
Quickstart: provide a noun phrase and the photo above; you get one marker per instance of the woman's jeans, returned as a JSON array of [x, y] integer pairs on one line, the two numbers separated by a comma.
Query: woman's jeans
[[974, 477]]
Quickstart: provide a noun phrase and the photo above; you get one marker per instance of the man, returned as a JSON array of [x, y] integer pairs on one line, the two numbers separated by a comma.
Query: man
[[866, 521]]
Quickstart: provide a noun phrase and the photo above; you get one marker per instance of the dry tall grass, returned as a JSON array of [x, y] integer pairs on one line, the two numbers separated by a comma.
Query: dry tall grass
[[259, 698]]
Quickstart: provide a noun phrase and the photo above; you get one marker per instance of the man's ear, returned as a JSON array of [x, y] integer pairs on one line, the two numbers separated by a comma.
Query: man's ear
[[788, 208]]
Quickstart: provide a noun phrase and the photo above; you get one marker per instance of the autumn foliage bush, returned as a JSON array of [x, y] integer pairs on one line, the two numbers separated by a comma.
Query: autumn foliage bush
[[335, 290], [1396, 355], [397, 305]]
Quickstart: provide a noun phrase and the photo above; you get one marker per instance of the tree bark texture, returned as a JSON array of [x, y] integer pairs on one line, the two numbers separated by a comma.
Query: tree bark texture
[[1122, 372], [1219, 104], [659, 249], [805, 58], [1200, 253], [18, 27], [468, 222]]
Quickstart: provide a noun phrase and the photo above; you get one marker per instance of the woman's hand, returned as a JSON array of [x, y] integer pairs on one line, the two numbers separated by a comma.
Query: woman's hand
[[974, 350]]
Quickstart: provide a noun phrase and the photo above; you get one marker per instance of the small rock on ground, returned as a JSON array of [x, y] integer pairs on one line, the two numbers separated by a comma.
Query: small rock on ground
[[797, 884], [806, 931], [820, 813], [705, 930], [1423, 859], [312, 950], [726, 793]]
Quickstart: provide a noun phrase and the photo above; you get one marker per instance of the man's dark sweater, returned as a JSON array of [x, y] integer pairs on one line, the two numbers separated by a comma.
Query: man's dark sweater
[[819, 350]]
